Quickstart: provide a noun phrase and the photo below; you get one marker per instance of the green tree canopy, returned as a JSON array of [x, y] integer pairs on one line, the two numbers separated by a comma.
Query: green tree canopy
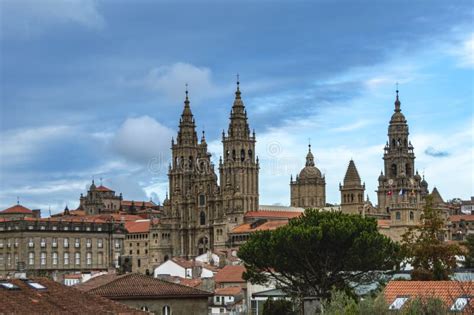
[[425, 249], [319, 251], [469, 255]]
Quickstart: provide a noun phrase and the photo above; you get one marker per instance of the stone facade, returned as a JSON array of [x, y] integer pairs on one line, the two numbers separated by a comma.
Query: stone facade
[[352, 191], [49, 247], [309, 188], [199, 212]]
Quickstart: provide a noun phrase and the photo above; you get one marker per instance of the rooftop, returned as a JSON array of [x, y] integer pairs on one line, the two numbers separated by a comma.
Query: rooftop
[[267, 226], [230, 274], [55, 298], [229, 291], [138, 286], [139, 226], [17, 209]]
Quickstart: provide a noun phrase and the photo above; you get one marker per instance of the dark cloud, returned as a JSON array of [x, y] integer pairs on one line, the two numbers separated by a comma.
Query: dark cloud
[[436, 153]]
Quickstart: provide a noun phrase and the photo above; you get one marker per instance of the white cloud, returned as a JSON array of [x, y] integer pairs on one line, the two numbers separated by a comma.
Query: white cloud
[[28, 18], [464, 51], [143, 139]]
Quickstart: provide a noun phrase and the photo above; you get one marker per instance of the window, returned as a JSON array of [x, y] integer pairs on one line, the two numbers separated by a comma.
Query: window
[[89, 258], [54, 242], [117, 243], [16, 242], [9, 259], [43, 242], [31, 243], [77, 243], [100, 243], [144, 308], [1, 243], [398, 303], [88, 243], [166, 310], [139, 263], [100, 258], [43, 258], [412, 216], [31, 258], [55, 258], [459, 304], [66, 259], [202, 200], [202, 219], [77, 258], [1, 260], [66, 242], [398, 215]]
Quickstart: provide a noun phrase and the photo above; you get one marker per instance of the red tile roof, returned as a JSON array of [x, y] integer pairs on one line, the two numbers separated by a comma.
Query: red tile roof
[[230, 274], [273, 214], [141, 226], [138, 286], [103, 188], [270, 225], [17, 209], [447, 291], [56, 299], [459, 217], [229, 291]]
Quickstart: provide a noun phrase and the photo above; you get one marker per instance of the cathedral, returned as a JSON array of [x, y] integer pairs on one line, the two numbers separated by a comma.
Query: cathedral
[[199, 212]]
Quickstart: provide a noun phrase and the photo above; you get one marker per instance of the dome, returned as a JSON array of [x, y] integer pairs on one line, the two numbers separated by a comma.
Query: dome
[[310, 172], [424, 183], [398, 117], [381, 177], [417, 177]]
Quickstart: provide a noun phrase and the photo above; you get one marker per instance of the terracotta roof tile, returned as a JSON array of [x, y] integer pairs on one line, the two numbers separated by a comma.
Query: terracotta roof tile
[[56, 299], [103, 188], [138, 204], [229, 291], [447, 291], [273, 214], [459, 217], [140, 226], [17, 209], [139, 286], [270, 225], [230, 274]]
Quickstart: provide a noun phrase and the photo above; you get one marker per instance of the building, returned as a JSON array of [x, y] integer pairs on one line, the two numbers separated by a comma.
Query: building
[[136, 245], [199, 212], [57, 246], [455, 295], [308, 190], [228, 300], [460, 226], [352, 191], [401, 190], [178, 267], [44, 296], [231, 276], [18, 212], [467, 206], [149, 294]]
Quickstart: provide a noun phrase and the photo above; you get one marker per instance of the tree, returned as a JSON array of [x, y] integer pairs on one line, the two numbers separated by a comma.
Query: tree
[[278, 307], [425, 249], [469, 254], [318, 251]]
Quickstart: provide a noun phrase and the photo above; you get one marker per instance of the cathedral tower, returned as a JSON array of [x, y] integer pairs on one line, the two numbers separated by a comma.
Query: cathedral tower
[[352, 191], [401, 190], [239, 166], [309, 188], [193, 189]]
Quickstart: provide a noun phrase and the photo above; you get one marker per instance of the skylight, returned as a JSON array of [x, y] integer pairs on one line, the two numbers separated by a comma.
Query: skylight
[[9, 286], [460, 303], [398, 303], [36, 285]]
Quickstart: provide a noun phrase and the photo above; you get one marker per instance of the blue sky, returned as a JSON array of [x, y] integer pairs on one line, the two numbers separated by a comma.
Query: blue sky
[[95, 89]]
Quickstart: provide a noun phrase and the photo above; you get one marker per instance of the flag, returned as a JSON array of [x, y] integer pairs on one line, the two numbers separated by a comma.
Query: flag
[[389, 193]]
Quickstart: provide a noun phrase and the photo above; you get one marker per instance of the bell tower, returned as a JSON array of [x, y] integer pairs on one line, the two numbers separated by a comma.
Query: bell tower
[[239, 166]]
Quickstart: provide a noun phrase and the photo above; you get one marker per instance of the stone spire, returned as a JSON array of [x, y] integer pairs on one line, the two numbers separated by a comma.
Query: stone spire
[[352, 175], [397, 103], [309, 157], [238, 126], [187, 127]]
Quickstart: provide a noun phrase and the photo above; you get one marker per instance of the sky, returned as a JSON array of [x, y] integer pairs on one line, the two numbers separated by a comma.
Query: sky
[[94, 89]]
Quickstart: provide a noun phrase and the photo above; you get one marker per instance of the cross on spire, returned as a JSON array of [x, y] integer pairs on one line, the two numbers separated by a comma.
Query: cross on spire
[[17, 200]]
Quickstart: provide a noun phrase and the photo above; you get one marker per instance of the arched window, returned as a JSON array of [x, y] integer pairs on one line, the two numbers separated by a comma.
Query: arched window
[[408, 169], [405, 143], [412, 215], [352, 197], [250, 154], [166, 258], [242, 155], [393, 142], [166, 310], [233, 155], [398, 215], [202, 218], [190, 161], [144, 308]]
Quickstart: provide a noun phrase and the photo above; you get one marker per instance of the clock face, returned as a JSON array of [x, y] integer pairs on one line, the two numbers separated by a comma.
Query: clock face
[[390, 181]]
